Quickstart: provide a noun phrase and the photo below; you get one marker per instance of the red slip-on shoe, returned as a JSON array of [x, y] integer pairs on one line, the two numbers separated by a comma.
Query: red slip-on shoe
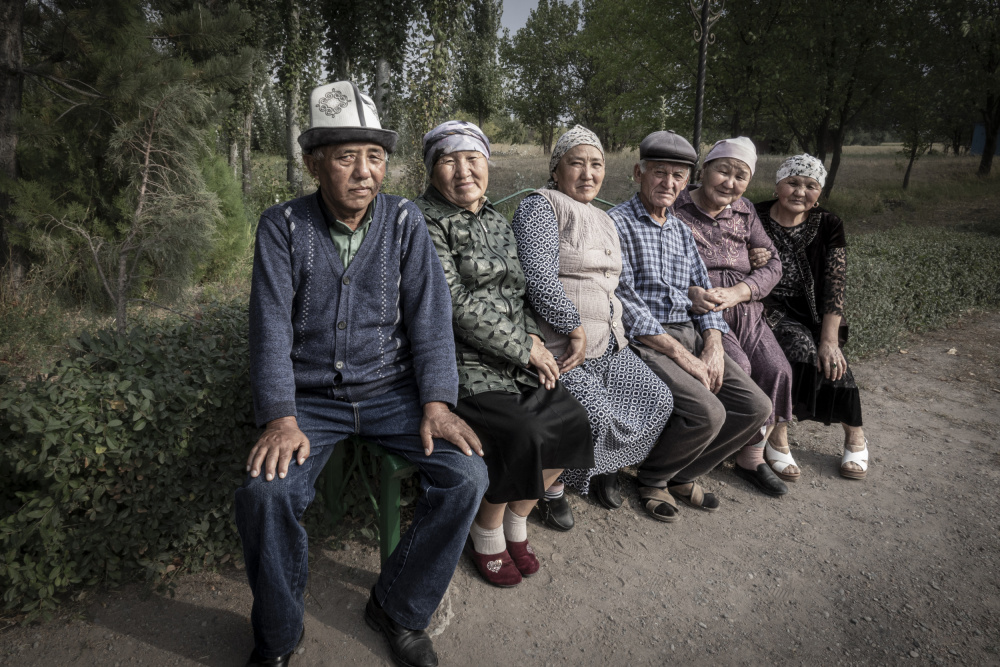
[[524, 557], [497, 569]]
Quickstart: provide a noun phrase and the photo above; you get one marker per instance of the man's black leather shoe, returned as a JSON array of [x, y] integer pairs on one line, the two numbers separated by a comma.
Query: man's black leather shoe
[[605, 488], [763, 478], [409, 648], [556, 513], [257, 660]]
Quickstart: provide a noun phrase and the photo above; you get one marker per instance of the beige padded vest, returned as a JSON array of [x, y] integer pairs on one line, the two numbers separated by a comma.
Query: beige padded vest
[[590, 261]]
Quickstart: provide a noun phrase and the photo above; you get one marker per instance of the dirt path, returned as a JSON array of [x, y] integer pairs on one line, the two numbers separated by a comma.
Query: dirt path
[[899, 569]]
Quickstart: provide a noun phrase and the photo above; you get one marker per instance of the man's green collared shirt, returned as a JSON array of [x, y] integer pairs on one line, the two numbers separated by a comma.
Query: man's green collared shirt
[[346, 240]]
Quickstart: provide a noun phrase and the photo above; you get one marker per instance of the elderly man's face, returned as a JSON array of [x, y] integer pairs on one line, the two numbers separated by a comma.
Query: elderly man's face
[[660, 184], [349, 175]]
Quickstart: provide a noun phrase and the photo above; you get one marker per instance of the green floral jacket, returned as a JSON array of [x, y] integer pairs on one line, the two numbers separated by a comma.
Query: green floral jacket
[[490, 313]]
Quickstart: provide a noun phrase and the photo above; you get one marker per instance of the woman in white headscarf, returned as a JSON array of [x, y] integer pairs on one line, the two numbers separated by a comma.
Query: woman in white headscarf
[[806, 309], [571, 256]]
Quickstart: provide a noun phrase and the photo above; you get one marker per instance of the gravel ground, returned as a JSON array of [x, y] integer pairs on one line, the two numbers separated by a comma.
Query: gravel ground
[[898, 569]]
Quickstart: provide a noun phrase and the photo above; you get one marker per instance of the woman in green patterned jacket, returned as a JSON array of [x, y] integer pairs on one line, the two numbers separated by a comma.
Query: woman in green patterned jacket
[[530, 426]]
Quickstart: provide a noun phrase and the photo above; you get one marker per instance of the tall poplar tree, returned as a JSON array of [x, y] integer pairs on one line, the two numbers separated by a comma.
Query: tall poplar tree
[[479, 88]]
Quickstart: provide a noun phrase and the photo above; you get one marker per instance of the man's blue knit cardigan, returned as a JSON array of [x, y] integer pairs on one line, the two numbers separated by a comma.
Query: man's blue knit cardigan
[[383, 323]]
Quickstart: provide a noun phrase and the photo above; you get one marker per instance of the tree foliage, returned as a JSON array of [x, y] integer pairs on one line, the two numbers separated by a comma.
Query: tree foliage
[[479, 88], [540, 64]]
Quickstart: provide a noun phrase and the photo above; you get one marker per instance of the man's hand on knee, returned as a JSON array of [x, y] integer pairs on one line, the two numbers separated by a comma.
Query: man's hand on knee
[[714, 359], [280, 440], [440, 422]]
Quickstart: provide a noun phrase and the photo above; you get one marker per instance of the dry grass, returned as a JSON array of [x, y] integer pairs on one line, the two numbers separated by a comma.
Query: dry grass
[[869, 181]]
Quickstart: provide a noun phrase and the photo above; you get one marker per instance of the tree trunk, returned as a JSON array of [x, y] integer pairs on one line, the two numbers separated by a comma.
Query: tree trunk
[[381, 93], [956, 141], [234, 156], [247, 168], [838, 149], [991, 124], [13, 258], [909, 167], [293, 91], [121, 294]]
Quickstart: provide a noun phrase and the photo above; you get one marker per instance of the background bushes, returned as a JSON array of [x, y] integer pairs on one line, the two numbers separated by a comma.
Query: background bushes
[[122, 459]]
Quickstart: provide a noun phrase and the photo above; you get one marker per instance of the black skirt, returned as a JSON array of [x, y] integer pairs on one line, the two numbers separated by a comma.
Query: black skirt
[[813, 396], [523, 434]]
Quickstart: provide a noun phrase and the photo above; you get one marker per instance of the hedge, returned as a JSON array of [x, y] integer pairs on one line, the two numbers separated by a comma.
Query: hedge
[[122, 460]]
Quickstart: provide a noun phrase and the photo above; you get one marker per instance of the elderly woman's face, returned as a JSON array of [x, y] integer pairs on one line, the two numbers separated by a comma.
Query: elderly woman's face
[[580, 173], [462, 177], [724, 181], [798, 194]]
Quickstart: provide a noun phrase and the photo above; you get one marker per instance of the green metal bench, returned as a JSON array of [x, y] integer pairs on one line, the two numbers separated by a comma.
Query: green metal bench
[[388, 469]]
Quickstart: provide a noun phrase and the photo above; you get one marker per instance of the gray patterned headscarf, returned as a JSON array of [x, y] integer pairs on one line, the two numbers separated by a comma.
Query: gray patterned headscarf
[[573, 137], [453, 136], [802, 165]]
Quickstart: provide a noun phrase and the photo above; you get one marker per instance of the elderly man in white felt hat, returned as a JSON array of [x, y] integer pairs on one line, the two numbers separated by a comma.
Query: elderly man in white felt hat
[[350, 333]]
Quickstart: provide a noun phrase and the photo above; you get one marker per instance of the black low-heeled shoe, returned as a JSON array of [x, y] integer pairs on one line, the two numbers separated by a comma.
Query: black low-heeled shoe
[[556, 513], [409, 648], [763, 478], [605, 488], [257, 660]]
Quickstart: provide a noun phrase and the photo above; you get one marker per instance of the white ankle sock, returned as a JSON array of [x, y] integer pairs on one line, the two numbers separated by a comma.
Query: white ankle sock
[[487, 542], [554, 491], [515, 528]]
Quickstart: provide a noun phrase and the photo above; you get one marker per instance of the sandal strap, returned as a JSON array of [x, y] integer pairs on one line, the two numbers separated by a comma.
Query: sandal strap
[[650, 493], [861, 458], [693, 491], [772, 454]]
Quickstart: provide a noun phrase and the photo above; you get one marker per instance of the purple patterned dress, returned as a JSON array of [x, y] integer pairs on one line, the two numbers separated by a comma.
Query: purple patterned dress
[[723, 243]]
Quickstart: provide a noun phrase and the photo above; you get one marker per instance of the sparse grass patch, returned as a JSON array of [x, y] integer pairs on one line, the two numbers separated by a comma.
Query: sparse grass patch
[[913, 280]]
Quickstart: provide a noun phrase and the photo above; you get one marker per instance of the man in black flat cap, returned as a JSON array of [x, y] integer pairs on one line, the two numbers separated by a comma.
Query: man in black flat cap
[[717, 407]]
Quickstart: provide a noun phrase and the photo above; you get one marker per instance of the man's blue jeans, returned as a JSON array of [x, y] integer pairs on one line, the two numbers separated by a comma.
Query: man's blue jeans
[[416, 575]]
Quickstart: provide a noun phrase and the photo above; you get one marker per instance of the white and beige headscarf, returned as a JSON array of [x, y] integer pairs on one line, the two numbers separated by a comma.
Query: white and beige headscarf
[[802, 165], [571, 138]]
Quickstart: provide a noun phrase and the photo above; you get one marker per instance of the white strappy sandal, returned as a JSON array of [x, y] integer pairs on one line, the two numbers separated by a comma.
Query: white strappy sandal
[[860, 458], [779, 462]]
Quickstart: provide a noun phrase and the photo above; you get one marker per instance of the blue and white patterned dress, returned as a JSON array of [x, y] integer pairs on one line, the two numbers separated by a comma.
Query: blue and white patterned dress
[[627, 404]]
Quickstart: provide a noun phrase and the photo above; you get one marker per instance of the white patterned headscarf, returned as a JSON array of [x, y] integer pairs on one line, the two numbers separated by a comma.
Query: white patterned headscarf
[[570, 139], [453, 136], [802, 165]]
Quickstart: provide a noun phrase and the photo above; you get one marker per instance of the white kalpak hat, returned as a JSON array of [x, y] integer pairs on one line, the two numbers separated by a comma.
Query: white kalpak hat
[[340, 113]]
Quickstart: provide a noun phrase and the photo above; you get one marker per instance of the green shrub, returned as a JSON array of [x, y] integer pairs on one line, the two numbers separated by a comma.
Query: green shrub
[[122, 459], [233, 236], [909, 279]]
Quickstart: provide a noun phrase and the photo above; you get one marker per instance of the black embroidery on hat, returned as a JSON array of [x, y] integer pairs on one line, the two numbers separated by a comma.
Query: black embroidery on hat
[[332, 110]]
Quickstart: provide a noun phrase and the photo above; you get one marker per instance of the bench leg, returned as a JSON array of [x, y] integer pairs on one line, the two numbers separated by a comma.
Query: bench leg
[[334, 481], [388, 511]]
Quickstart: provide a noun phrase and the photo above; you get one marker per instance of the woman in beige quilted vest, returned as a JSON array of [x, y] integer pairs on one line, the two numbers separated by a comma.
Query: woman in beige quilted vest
[[571, 257], [509, 392]]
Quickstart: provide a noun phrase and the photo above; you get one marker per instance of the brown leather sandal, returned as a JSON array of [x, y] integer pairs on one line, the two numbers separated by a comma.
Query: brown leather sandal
[[658, 503], [694, 495]]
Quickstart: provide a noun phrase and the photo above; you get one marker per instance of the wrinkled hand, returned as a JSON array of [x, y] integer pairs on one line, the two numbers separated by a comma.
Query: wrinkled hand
[[544, 363], [440, 422], [576, 351], [830, 360], [281, 439], [695, 367], [715, 361], [701, 301], [727, 297], [758, 257]]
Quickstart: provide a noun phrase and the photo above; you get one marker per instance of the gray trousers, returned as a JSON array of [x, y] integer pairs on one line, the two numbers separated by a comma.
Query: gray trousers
[[704, 428]]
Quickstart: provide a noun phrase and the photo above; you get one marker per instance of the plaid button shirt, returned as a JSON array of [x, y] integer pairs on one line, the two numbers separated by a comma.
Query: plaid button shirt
[[660, 262]]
